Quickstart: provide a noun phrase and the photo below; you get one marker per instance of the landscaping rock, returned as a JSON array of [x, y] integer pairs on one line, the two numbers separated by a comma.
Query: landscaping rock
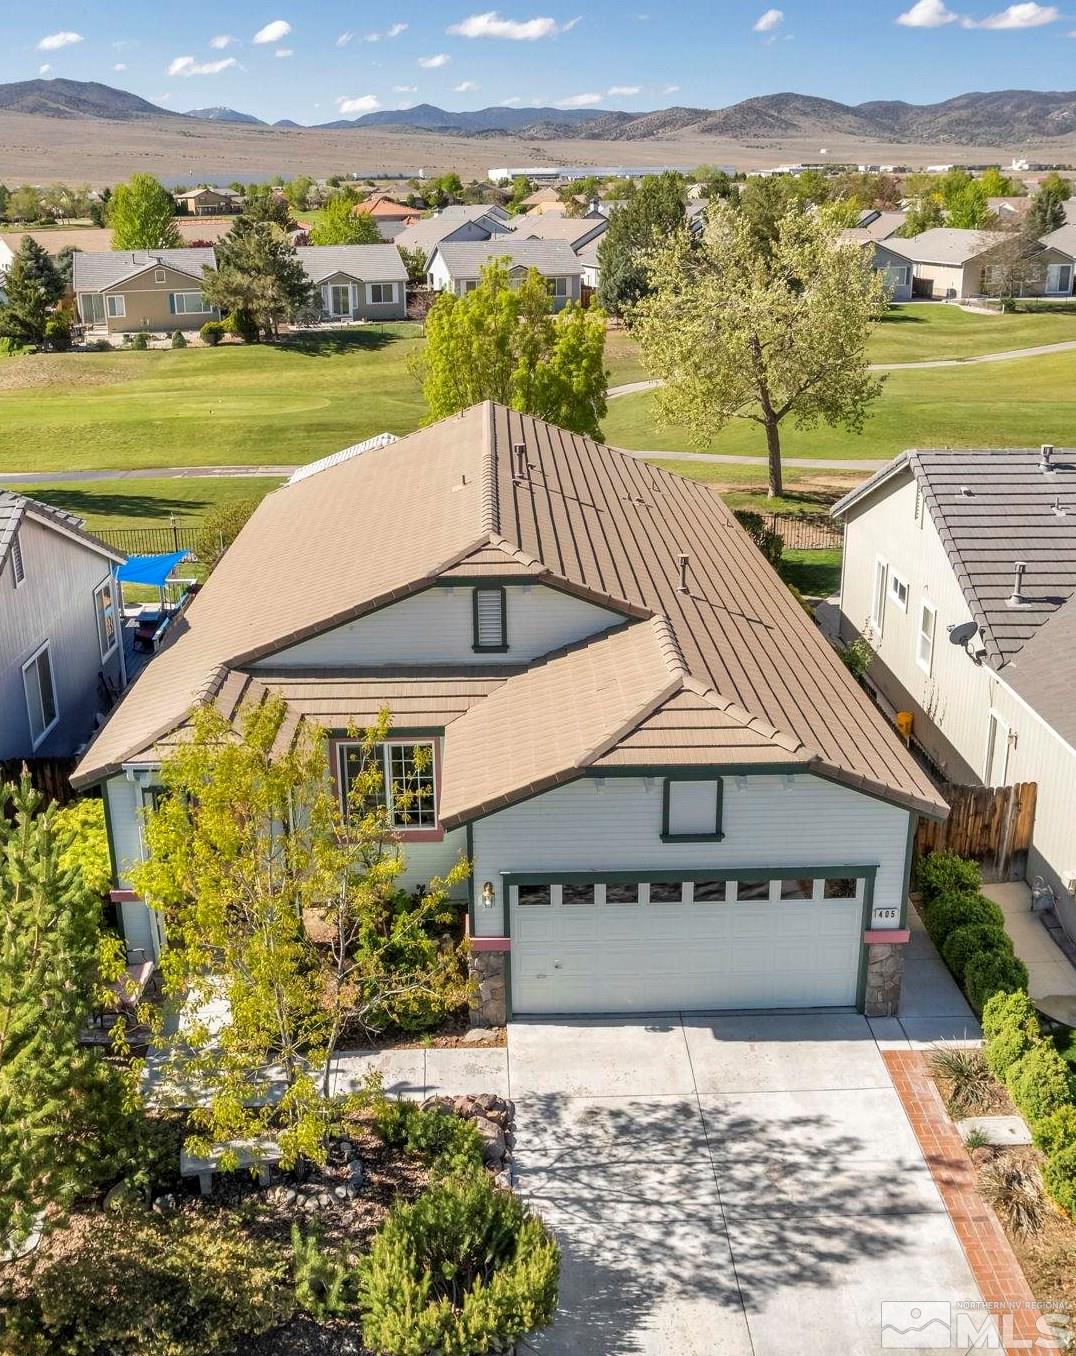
[[492, 1137], [1002, 1131], [164, 1205]]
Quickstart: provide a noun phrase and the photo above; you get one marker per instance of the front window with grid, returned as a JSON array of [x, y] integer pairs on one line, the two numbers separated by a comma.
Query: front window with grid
[[405, 785]]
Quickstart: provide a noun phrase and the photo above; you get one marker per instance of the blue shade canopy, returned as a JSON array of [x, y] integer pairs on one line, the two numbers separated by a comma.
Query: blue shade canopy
[[150, 569]]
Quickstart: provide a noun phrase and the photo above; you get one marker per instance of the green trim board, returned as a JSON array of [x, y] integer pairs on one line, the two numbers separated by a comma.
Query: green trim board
[[909, 857], [769, 871], [109, 836], [472, 918], [476, 640], [667, 835], [864, 947]]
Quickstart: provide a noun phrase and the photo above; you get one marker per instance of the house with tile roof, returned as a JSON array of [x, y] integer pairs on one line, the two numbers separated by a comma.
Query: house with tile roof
[[481, 221], [458, 267], [960, 566], [357, 282], [61, 653], [955, 264], [208, 202], [670, 791]]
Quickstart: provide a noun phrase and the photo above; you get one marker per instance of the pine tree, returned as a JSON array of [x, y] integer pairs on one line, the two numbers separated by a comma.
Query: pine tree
[[1047, 211], [258, 275], [39, 266], [49, 921], [30, 292]]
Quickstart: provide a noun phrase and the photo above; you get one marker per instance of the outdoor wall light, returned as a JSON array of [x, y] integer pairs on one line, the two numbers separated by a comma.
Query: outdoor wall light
[[489, 895]]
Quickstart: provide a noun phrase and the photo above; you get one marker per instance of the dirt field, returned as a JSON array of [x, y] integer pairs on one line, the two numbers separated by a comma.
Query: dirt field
[[37, 150]]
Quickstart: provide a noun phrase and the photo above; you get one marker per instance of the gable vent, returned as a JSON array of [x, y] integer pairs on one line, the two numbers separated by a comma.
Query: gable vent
[[490, 619]]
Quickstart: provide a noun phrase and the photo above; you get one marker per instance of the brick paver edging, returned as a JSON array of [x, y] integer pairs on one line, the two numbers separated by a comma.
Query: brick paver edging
[[992, 1261]]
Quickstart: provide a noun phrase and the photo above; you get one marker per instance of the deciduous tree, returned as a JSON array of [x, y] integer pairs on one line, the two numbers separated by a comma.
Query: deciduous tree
[[501, 342], [339, 224], [741, 333], [142, 213]]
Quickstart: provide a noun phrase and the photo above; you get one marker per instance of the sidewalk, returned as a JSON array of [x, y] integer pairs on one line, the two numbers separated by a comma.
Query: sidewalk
[[1051, 975]]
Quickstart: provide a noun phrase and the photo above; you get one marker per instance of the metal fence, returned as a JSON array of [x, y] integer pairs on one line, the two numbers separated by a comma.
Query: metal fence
[[806, 532], [150, 541]]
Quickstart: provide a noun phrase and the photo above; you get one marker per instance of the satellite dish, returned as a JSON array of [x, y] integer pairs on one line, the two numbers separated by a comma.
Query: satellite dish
[[960, 635]]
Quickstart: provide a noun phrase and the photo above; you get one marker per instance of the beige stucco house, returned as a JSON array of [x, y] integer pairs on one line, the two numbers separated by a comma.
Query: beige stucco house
[[457, 267], [208, 202], [124, 291], [357, 282], [951, 264]]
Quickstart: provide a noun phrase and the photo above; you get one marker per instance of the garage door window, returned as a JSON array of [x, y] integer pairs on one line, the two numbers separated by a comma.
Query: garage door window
[[622, 894], [752, 889], [577, 894], [797, 889], [711, 891], [666, 892], [840, 887], [691, 810], [533, 896]]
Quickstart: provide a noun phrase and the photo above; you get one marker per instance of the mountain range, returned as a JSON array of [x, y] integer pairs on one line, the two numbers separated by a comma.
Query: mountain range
[[981, 118]]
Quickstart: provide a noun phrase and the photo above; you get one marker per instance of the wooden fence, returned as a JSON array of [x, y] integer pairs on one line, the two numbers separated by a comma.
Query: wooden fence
[[992, 824], [50, 776]]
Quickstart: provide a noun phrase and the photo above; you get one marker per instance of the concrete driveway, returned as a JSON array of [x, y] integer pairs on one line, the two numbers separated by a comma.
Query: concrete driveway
[[740, 1185]]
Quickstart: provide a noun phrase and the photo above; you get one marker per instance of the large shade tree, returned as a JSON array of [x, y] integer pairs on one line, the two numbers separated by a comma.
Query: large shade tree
[[339, 224], [740, 332], [32, 285], [142, 213], [502, 342], [650, 214], [258, 277]]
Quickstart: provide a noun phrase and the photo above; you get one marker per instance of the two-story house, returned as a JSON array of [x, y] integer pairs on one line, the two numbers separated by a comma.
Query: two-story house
[[61, 651], [960, 566], [670, 791]]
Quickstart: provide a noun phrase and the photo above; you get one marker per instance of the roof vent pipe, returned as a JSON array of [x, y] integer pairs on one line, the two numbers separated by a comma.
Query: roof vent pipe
[[1017, 595], [1047, 453], [519, 455], [681, 561]]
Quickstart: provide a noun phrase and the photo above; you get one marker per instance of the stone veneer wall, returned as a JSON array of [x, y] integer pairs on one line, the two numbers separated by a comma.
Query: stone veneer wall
[[489, 1004], [885, 975]]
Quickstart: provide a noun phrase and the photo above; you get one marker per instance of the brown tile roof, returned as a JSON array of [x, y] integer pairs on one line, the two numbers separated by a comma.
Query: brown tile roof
[[593, 521], [425, 698]]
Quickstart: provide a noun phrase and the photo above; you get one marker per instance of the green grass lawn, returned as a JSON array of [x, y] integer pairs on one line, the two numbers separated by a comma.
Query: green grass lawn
[[817, 574], [148, 503], [1021, 403], [924, 330]]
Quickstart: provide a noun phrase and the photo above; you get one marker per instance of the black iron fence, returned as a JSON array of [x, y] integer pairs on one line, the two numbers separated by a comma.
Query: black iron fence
[[806, 531], [150, 541]]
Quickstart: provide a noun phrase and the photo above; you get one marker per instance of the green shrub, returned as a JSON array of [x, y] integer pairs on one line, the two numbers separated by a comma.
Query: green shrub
[[179, 339], [100, 346], [1039, 1082], [140, 341], [960, 909], [58, 332], [769, 542], [1060, 1178], [971, 940], [857, 656], [433, 1135], [990, 973], [1056, 1132], [466, 1269], [944, 872], [324, 1280], [220, 528], [243, 325], [212, 332], [144, 1285], [1010, 1027], [11, 348]]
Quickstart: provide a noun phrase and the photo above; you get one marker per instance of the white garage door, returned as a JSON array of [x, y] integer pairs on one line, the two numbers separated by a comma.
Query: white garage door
[[659, 945]]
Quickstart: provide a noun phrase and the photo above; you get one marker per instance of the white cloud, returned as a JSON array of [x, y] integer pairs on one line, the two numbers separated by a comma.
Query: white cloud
[[345, 38], [766, 23], [927, 14], [493, 25], [120, 66], [393, 31], [44, 70], [279, 28], [511, 103], [221, 41], [671, 89], [283, 52], [579, 101], [624, 89], [464, 87], [405, 89], [433, 63], [1028, 15], [55, 41], [186, 65], [362, 103]]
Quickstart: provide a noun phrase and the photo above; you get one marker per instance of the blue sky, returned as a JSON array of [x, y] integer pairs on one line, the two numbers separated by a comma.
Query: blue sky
[[317, 61]]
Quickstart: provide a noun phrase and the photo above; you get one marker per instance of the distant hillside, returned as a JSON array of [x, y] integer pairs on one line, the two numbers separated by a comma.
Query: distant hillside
[[76, 99], [430, 118], [220, 114]]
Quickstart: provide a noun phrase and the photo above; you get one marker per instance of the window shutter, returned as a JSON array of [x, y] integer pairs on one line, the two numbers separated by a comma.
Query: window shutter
[[17, 567], [692, 809], [489, 619], [172, 302]]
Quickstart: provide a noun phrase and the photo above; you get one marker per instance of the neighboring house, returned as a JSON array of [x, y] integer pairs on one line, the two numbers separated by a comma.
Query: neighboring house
[[7, 254], [1062, 243], [671, 792], [879, 224], [458, 267], [124, 291], [695, 215], [543, 201], [383, 208], [948, 263], [895, 268], [592, 269], [357, 282], [208, 202], [1009, 211], [61, 650], [961, 567], [574, 231], [454, 224]]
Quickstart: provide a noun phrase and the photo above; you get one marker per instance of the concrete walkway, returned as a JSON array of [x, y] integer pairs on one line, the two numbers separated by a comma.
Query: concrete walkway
[[1051, 975], [150, 473]]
